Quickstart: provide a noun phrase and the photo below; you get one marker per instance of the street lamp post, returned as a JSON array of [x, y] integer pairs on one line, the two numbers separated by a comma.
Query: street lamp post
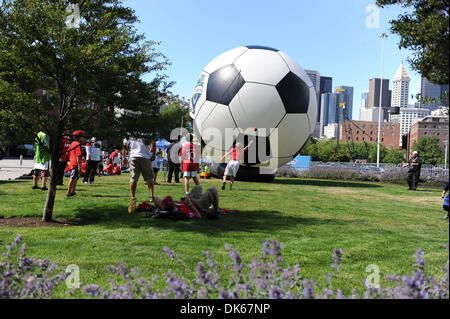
[[445, 155], [380, 108]]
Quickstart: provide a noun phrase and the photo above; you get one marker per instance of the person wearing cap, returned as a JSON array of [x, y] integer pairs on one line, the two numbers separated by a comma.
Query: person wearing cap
[[414, 164], [75, 158], [93, 159]]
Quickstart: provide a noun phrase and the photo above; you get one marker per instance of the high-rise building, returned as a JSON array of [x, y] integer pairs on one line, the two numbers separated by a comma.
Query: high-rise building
[[314, 76], [400, 88], [374, 93], [329, 107], [374, 97], [346, 96], [433, 91], [365, 100], [326, 86]]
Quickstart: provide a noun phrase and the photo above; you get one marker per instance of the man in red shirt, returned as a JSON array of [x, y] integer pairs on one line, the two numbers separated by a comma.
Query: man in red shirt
[[189, 158], [64, 157], [75, 156], [237, 157]]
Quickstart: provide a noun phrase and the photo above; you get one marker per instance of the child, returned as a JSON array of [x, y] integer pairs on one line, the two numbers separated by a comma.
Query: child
[[109, 170], [233, 165], [190, 158], [116, 169], [75, 156], [446, 200]]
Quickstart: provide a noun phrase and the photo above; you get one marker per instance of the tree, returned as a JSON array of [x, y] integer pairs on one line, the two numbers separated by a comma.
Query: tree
[[394, 156], [58, 71], [425, 31], [429, 150], [171, 117]]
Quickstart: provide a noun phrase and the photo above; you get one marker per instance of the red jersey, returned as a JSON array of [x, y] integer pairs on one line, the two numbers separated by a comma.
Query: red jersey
[[64, 148], [237, 154], [186, 210], [109, 169], [117, 170], [75, 151], [190, 155]]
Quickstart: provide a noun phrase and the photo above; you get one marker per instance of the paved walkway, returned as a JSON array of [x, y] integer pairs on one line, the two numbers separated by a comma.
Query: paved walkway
[[11, 169]]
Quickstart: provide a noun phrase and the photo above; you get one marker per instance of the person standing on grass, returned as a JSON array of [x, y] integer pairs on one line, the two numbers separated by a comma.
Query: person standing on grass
[[75, 157], [237, 157], [93, 159], [172, 161], [446, 198], [65, 144], [189, 158], [41, 161], [140, 162], [414, 164]]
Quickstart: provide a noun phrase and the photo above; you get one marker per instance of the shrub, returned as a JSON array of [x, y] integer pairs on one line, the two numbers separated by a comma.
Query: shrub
[[265, 277]]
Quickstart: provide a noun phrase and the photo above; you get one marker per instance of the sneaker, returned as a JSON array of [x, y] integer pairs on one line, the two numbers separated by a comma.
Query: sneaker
[[92, 183], [44, 188], [35, 187], [70, 195], [85, 182], [446, 216], [152, 199], [132, 206]]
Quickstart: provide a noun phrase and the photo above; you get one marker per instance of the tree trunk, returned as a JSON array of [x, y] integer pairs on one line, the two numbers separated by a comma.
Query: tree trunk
[[54, 168]]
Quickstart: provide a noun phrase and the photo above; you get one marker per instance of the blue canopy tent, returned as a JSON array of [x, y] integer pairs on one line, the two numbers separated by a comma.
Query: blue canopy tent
[[162, 143]]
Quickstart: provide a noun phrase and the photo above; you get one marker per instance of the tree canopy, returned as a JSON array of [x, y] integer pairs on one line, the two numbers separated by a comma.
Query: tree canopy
[[425, 31], [86, 74]]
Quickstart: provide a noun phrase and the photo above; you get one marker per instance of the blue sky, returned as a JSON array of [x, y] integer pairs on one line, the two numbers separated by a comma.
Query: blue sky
[[330, 36]]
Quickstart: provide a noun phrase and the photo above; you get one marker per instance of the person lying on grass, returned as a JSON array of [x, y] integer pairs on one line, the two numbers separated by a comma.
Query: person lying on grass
[[195, 203]]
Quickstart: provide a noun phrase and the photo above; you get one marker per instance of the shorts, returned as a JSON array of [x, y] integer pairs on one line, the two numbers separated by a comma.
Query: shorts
[[189, 174], [74, 173], [41, 173], [138, 166], [155, 169], [232, 168]]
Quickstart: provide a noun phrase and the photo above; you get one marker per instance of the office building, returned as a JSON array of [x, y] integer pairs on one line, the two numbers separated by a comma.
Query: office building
[[400, 88]]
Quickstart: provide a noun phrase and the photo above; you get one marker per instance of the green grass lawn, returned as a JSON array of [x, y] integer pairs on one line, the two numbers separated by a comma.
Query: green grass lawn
[[373, 224]]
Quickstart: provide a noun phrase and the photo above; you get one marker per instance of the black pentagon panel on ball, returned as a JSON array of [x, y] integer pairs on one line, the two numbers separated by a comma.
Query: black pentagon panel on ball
[[224, 84], [261, 47], [294, 93]]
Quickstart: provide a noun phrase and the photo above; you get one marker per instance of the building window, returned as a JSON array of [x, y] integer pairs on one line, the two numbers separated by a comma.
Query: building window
[[425, 133], [382, 139], [357, 138]]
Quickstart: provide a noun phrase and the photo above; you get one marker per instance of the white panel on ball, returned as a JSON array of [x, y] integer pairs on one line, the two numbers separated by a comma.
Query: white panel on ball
[[312, 109], [204, 113], [215, 128], [295, 68], [257, 105], [198, 95], [293, 131], [262, 66], [224, 59]]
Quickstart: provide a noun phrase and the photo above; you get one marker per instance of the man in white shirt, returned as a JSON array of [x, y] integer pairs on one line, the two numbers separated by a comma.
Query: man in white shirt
[[140, 162], [93, 159]]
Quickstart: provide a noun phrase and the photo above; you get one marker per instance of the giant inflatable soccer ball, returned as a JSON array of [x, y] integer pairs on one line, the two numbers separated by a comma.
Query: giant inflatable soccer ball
[[254, 90]]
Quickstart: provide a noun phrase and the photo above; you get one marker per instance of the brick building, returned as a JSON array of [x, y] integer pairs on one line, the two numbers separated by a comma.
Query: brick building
[[429, 126], [364, 131]]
